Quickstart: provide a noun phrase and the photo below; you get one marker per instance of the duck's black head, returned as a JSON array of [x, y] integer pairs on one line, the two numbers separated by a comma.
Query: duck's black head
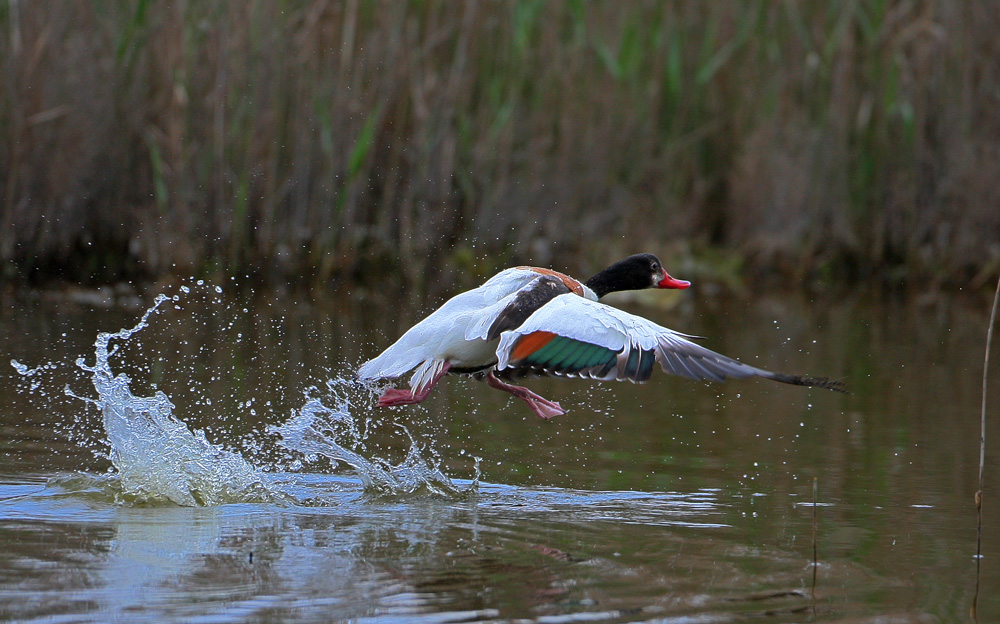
[[634, 273]]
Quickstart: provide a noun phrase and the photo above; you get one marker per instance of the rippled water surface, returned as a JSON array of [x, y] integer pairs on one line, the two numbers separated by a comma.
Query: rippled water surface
[[208, 459]]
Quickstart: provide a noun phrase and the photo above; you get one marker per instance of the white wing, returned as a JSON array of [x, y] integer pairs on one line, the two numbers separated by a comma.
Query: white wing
[[574, 336], [442, 335]]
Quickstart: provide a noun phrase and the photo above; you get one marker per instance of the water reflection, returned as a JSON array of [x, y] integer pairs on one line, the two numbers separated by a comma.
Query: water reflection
[[347, 559], [672, 499]]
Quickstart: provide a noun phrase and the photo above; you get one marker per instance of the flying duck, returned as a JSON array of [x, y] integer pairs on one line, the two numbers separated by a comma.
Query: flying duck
[[530, 320]]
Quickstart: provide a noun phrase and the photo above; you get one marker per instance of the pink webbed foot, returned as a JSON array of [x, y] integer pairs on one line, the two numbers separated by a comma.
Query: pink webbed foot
[[395, 396], [543, 407]]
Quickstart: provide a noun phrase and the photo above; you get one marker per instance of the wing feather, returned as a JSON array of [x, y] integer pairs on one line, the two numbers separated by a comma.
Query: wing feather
[[511, 310], [561, 355], [630, 344]]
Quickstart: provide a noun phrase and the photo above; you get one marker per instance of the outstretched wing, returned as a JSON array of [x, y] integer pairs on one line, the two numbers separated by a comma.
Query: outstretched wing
[[443, 332], [577, 337], [512, 310]]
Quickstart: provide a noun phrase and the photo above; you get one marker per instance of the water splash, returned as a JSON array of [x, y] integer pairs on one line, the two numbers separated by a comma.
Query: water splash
[[156, 455], [319, 430], [158, 459]]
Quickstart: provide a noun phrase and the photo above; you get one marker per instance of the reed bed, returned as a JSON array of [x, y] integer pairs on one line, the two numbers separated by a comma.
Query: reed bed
[[295, 140]]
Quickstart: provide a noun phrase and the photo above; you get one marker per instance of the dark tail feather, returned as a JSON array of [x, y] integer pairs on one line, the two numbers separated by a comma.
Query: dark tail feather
[[836, 385]]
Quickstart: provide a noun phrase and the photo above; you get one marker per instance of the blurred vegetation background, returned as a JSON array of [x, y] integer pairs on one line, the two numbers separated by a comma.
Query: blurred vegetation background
[[307, 141]]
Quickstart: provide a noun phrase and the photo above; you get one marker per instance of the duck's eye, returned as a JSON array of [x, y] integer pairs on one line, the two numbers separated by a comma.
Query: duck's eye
[[656, 267]]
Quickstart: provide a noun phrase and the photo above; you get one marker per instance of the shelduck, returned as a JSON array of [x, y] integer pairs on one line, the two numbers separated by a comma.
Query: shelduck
[[531, 320]]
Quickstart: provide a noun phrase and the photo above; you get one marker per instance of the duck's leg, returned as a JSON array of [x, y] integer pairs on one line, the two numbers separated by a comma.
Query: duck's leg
[[397, 396], [541, 406]]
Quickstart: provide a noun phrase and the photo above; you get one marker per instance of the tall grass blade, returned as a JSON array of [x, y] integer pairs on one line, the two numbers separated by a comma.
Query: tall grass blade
[[363, 144], [982, 450], [160, 193]]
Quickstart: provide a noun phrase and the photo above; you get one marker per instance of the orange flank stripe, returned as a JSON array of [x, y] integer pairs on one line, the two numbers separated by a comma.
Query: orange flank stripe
[[571, 283], [530, 343]]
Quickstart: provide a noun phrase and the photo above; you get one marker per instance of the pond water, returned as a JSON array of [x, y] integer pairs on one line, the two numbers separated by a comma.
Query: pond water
[[216, 464]]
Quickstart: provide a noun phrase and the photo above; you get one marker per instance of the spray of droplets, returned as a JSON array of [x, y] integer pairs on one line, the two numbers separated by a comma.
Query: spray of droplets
[[156, 457]]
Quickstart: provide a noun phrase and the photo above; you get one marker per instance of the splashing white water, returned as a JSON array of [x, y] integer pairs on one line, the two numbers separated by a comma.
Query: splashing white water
[[156, 455], [158, 458], [317, 429]]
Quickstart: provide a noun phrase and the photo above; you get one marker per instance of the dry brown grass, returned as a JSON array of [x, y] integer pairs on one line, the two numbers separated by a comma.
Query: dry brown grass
[[310, 140]]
